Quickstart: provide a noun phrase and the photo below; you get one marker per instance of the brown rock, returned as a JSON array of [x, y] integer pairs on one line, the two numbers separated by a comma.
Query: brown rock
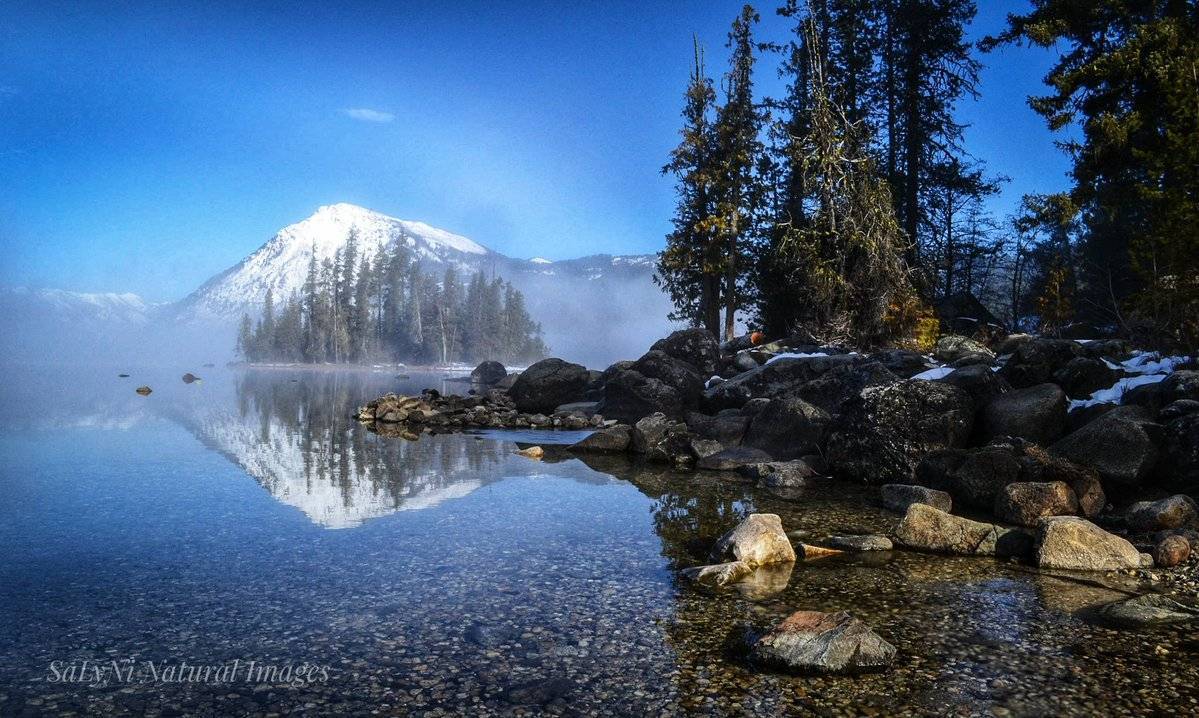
[[1025, 503], [758, 540], [1171, 551]]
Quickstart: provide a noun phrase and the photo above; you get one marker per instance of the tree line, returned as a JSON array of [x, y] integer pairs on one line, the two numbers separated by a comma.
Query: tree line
[[850, 206], [355, 309]]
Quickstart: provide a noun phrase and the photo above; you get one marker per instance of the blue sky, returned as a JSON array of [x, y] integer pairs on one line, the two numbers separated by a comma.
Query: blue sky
[[146, 146]]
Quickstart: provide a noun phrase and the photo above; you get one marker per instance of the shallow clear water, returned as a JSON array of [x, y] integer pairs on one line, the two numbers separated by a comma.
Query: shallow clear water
[[247, 518]]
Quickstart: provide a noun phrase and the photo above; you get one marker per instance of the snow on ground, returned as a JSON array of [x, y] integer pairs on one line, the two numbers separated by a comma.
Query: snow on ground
[[1115, 393], [1152, 363], [713, 381], [935, 373], [795, 355]]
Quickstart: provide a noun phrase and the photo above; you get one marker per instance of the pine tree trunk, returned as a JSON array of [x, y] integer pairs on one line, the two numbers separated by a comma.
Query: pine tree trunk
[[730, 288]]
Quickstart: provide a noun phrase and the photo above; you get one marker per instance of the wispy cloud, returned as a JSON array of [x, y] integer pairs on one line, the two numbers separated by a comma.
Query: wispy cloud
[[365, 114]]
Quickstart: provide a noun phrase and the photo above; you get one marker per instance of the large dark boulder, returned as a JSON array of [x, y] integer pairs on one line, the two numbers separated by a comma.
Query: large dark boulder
[[952, 347], [815, 642], [902, 363], [548, 384], [660, 438], [982, 475], [1035, 361], [612, 439], [788, 428], [675, 373], [884, 433], [1182, 384], [979, 381], [488, 372], [773, 379], [695, 346], [1083, 376], [630, 395], [1119, 445], [1180, 453], [843, 384], [1036, 413], [727, 428]]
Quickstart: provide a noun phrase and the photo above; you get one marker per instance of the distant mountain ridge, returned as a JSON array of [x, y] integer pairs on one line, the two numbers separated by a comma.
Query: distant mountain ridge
[[593, 309]]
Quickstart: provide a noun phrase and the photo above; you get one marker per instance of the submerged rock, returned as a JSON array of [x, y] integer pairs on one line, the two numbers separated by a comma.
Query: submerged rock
[[1067, 542], [794, 474], [817, 642], [758, 540], [1148, 610], [869, 542], [898, 497], [719, 575], [733, 458], [924, 527], [190, 378]]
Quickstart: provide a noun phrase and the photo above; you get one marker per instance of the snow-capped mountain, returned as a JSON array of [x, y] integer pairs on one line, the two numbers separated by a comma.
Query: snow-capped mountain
[[61, 305], [612, 296]]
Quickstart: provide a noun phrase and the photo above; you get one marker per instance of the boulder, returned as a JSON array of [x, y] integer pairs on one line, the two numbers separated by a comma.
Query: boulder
[[1177, 409], [770, 380], [794, 474], [1148, 610], [547, 384], [885, 432], [861, 543], [663, 439], [1182, 384], [1179, 465], [1118, 445], [816, 642], [1038, 466], [1035, 361], [1024, 503], [1173, 512], [898, 497], [488, 372], [1171, 551], [533, 452], [982, 475], [696, 346], [1036, 413], [728, 429], [926, 528], [1067, 542], [1083, 376], [719, 575], [788, 428], [611, 439], [1146, 396], [902, 363], [733, 458], [675, 373], [1012, 342], [758, 540], [979, 382], [629, 396], [1080, 416], [953, 347], [843, 385]]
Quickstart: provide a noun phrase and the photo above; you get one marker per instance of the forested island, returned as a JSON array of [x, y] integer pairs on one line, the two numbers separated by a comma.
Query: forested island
[[390, 310]]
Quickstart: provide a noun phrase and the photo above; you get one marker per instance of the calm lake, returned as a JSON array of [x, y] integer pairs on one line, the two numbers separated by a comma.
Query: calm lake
[[242, 546]]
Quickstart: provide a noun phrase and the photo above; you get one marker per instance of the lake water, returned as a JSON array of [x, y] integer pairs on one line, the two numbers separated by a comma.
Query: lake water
[[242, 546]]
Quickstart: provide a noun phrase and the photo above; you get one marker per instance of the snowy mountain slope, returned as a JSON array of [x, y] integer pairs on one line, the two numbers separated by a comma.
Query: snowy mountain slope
[[63, 306], [613, 296]]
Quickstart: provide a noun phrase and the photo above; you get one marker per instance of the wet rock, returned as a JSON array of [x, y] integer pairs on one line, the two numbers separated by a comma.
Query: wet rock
[[1171, 551], [758, 540], [539, 692], [788, 428], [770, 380], [661, 438], [1025, 503], [793, 474], [1148, 610], [610, 439], [1036, 413], [1035, 361], [488, 372], [695, 346], [929, 529], [952, 347], [1083, 376], [143, 390], [765, 581], [898, 497], [547, 384], [189, 378], [817, 642], [733, 458], [869, 542], [1067, 542], [533, 452], [719, 575], [810, 552], [491, 635], [889, 429], [979, 382], [1172, 512], [1118, 445]]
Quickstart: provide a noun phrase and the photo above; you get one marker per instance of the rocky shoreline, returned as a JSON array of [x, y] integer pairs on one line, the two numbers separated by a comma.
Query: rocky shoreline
[[1068, 455]]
